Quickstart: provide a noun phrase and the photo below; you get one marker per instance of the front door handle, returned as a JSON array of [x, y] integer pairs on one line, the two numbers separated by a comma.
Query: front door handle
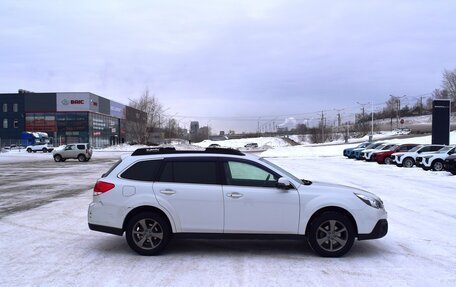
[[234, 195], [168, 191]]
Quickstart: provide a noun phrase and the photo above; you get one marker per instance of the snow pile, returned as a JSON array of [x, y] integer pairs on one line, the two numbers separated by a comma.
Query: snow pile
[[263, 142]]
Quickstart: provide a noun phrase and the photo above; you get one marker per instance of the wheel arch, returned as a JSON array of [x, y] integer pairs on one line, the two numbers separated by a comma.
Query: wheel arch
[[147, 208], [331, 209]]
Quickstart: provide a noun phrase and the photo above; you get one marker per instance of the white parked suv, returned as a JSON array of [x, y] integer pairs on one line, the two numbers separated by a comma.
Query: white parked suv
[[435, 160], [407, 159], [156, 193], [44, 147]]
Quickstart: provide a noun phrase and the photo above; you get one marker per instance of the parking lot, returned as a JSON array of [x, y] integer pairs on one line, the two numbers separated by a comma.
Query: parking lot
[[45, 239]]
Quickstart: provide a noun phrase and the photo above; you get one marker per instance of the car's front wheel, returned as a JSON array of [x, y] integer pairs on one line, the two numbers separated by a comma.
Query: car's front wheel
[[437, 165], [388, 160], [331, 234], [408, 162], [44, 150], [148, 233]]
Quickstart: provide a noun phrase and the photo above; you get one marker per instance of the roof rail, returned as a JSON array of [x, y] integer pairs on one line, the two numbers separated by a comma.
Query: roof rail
[[172, 150]]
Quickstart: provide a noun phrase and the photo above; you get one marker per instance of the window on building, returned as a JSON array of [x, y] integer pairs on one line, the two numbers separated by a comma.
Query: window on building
[[15, 108], [5, 108], [5, 123], [16, 124]]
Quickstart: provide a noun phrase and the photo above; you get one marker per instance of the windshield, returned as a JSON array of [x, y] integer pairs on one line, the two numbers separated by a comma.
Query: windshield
[[281, 170], [362, 145], [416, 148]]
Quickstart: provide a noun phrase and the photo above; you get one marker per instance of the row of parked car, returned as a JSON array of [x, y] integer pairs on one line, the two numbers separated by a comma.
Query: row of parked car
[[428, 156]]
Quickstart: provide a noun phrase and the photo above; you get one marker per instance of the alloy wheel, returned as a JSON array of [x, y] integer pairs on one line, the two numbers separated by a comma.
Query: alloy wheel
[[147, 234], [332, 235]]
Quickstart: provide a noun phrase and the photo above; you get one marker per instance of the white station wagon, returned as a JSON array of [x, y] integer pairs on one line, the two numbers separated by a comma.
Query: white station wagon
[[158, 192]]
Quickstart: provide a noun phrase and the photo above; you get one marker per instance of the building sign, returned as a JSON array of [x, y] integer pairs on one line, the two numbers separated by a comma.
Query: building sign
[[441, 111], [77, 102], [73, 102], [117, 110]]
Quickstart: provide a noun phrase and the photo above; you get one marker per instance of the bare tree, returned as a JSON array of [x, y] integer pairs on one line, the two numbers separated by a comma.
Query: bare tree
[[150, 105], [449, 83]]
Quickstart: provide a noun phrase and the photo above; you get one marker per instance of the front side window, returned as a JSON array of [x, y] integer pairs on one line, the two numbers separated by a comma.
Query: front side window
[[244, 174], [5, 123], [201, 172], [143, 170]]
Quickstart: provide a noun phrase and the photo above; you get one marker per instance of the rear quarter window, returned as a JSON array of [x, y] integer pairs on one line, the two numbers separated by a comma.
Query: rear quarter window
[[144, 170], [81, 146]]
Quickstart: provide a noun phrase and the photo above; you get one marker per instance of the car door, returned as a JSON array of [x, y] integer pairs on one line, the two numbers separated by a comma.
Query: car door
[[190, 190], [254, 204]]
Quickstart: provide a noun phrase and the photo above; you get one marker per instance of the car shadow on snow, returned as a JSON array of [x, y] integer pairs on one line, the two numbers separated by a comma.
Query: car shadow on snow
[[286, 249]]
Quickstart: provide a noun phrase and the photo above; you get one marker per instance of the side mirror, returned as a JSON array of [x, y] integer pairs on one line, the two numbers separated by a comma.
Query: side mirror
[[284, 183]]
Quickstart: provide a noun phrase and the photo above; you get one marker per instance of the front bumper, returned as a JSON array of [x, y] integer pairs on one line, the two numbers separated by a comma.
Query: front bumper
[[379, 231]]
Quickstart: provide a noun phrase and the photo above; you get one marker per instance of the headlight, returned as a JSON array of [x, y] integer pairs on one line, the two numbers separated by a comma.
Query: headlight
[[370, 201]]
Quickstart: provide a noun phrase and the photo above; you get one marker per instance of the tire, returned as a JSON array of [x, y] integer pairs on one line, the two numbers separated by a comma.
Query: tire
[[387, 160], [44, 150], [453, 172], [81, 158], [437, 165], [331, 234], [140, 233], [58, 158], [29, 150], [408, 162]]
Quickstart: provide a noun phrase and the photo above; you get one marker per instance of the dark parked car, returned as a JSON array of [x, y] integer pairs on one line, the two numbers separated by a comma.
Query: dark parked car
[[450, 164], [348, 151]]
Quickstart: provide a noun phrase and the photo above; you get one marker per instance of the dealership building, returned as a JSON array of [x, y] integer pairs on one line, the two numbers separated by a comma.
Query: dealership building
[[68, 118]]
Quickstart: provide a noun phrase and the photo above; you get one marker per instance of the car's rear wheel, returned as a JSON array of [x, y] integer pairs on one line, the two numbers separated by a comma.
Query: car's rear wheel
[[148, 233], [331, 234], [29, 150], [387, 160], [437, 165], [81, 158], [408, 162], [57, 158]]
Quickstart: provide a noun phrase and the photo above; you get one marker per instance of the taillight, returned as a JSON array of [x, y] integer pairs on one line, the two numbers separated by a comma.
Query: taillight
[[102, 187]]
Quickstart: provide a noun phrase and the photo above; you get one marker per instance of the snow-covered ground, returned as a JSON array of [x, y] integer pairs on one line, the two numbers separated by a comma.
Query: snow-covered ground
[[263, 143], [52, 246]]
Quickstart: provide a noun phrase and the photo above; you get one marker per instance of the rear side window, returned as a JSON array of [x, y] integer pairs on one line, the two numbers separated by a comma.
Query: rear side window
[[112, 168], [143, 170], [202, 172], [436, 148]]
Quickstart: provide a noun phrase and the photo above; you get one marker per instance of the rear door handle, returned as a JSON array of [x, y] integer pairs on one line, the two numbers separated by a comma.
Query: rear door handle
[[168, 191], [234, 195]]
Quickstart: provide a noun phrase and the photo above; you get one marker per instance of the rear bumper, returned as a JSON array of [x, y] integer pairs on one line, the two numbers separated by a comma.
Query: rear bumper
[[106, 229], [379, 231]]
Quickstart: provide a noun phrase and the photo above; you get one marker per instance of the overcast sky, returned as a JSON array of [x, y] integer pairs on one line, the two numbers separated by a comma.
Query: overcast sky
[[213, 60]]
